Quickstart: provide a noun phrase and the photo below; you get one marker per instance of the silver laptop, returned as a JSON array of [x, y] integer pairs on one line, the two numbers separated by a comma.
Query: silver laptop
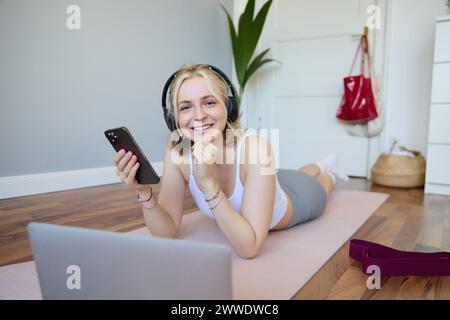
[[76, 263]]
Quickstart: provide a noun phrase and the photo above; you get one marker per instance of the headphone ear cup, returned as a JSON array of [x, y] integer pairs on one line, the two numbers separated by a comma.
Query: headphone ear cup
[[173, 125], [168, 116], [232, 108], [170, 121]]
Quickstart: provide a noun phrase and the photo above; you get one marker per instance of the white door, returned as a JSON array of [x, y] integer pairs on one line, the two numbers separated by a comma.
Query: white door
[[313, 41]]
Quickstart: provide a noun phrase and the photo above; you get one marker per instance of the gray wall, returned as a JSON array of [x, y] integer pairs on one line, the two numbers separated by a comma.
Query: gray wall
[[60, 89]]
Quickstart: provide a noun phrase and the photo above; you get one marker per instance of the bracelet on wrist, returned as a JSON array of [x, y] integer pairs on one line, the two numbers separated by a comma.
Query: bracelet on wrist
[[212, 208], [144, 205], [147, 200], [144, 202], [214, 197]]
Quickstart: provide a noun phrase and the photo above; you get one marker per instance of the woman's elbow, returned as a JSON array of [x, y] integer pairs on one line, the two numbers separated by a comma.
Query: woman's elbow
[[172, 233], [249, 254], [248, 257]]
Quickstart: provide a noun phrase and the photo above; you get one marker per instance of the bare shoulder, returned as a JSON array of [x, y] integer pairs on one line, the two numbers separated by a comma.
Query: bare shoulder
[[258, 157], [257, 147]]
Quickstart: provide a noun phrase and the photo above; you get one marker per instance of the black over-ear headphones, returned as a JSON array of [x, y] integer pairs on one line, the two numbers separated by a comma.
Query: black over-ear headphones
[[231, 102]]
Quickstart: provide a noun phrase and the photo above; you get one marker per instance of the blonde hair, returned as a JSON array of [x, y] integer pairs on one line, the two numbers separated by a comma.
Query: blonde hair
[[219, 89]]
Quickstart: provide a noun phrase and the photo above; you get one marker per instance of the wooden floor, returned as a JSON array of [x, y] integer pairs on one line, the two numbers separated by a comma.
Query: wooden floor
[[408, 220]]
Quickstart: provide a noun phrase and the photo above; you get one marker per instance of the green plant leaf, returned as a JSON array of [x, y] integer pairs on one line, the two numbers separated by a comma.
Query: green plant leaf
[[252, 69], [244, 38], [246, 18], [257, 27], [253, 66], [234, 39]]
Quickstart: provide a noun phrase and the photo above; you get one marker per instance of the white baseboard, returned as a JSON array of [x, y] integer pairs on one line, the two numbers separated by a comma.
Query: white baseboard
[[25, 185], [440, 189]]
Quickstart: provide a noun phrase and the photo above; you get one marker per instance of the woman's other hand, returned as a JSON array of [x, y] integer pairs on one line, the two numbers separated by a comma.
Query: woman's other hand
[[204, 152]]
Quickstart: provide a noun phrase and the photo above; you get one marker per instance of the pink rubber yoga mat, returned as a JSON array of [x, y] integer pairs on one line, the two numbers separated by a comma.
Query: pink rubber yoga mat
[[287, 261]]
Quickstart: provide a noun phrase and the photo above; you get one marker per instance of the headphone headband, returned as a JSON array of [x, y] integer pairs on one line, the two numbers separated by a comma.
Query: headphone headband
[[231, 103]]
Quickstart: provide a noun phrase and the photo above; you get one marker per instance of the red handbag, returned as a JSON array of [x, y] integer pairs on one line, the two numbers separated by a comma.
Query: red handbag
[[358, 102]]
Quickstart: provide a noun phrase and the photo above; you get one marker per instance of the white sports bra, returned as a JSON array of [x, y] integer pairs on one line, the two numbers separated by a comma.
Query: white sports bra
[[279, 206]]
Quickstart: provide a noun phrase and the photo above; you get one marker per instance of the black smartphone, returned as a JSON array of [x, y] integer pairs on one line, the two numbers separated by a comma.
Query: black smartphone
[[121, 138]]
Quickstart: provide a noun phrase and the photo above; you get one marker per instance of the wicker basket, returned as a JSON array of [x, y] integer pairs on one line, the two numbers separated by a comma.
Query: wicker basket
[[399, 171]]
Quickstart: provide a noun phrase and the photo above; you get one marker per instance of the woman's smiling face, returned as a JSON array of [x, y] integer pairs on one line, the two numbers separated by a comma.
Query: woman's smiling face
[[199, 111]]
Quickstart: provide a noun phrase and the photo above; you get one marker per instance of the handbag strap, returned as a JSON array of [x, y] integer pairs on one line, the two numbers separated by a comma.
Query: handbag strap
[[356, 55], [364, 44], [394, 262], [367, 53]]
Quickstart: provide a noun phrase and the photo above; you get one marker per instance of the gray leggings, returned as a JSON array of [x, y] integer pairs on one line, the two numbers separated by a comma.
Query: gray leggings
[[307, 195]]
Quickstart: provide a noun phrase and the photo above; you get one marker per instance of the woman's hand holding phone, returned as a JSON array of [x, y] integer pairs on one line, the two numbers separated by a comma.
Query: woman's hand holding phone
[[126, 168]]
